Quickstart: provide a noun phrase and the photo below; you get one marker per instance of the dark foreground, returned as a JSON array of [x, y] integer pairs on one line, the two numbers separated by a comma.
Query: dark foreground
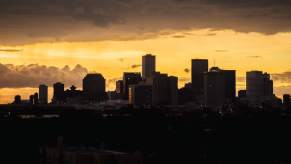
[[160, 136]]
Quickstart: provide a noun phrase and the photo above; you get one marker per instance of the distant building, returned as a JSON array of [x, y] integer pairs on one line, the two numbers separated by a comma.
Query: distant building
[[128, 80], [35, 99], [73, 96], [59, 93], [43, 94], [259, 87], [94, 87], [219, 87], [17, 99], [286, 100], [31, 99], [140, 94], [148, 66], [165, 89], [199, 67], [119, 87]]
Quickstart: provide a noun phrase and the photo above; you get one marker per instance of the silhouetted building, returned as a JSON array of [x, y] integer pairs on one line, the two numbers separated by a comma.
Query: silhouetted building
[[119, 87], [130, 79], [94, 87], [286, 100], [199, 67], [43, 94], [148, 66], [165, 89], [140, 94], [59, 93], [259, 87], [35, 99], [17, 99], [31, 99], [219, 87], [230, 83], [73, 96]]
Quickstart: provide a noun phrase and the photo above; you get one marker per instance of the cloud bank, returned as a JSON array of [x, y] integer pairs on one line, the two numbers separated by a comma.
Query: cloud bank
[[25, 21], [16, 76]]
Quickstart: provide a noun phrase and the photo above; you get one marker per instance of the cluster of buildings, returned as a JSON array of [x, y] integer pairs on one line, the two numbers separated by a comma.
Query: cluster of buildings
[[212, 87]]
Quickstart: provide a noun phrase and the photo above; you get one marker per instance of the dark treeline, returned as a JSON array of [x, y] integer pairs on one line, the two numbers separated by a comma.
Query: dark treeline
[[162, 137]]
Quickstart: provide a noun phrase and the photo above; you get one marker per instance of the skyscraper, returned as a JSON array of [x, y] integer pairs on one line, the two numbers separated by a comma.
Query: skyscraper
[[94, 87], [130, 78], [43, 94], [259, 87], [230, 84], [219, 87], [199, 67], [140, 94], [59, 94], [165, 89], [148, 66], [119, 87]]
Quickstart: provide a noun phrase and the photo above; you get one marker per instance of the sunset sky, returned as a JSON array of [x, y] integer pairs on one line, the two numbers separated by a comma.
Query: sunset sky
[[39, 38]]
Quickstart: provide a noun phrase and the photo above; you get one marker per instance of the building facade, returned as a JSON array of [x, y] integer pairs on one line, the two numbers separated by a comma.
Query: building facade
[[199, 67], [148, 66], [43, 94], [259, 87], [94, 87]]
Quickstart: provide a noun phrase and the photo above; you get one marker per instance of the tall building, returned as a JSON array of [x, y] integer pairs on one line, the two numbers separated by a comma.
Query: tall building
[[119, 87], [148, 66], [59, 93], [199, 67], [17, 99], [43, 94], [230, 84], [130, 78], [219, 87], [164, 89], [94, 87], [140, 94], [259, 87], [35, 99], [286, 100]]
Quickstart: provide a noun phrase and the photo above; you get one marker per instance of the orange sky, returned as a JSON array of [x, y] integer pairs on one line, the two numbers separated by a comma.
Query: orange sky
[[228, 49]]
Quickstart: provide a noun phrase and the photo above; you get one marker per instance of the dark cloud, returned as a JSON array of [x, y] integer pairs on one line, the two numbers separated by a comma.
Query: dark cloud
[[134, 66], [187, 70], [179, 36], [221, 51], [14, 76], [256, 56], [25, 21], [9, 50]]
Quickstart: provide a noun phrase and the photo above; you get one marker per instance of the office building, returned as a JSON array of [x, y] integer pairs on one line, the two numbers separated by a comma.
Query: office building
[[119, 87], [219, 87], [148, 66], [259, 87], [59, 95], [140, 94], [164, 89], [130, 78], [17, 99], [199, 67], [35, 99], [94, 87], [43, 94], [286, 100]]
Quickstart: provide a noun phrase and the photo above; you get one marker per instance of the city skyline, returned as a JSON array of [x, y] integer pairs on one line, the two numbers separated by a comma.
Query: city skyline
[[111, 83]]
